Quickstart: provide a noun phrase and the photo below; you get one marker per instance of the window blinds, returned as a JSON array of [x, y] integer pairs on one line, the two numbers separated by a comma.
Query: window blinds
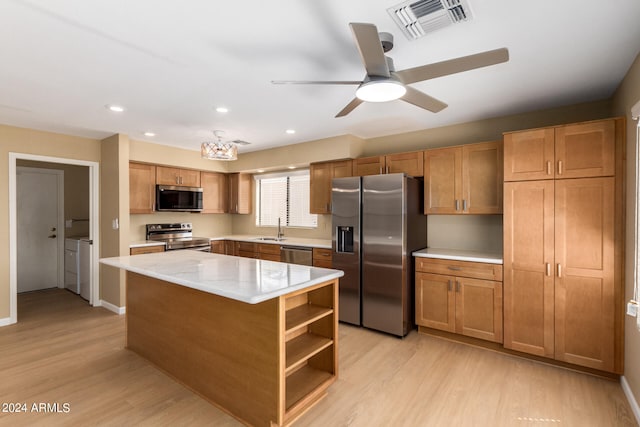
[[284, 196]]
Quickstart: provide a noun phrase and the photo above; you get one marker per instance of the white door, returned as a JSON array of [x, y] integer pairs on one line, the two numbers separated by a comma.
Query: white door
[[38, 198]]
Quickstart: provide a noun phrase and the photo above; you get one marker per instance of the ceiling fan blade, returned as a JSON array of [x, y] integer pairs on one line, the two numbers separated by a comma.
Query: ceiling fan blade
[[370, 48], [453, 66], [423, 100], [316, 82], [350, 107]]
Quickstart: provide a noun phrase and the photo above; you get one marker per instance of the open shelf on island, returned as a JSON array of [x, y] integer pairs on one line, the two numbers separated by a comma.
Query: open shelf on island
[[304, 315], [303, 347], [305, 381]]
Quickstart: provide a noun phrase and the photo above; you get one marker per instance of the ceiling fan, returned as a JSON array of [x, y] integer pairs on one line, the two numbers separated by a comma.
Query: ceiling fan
[[383, 83]]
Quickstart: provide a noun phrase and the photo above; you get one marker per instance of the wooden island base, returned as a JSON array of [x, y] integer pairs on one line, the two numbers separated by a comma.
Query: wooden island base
[[265, 364]]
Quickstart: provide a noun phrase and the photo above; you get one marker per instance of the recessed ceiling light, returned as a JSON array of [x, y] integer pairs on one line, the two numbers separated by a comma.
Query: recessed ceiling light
[[260, 170], [149, 134], [115, 108], [222, 110], [292, 167], [290, 131]]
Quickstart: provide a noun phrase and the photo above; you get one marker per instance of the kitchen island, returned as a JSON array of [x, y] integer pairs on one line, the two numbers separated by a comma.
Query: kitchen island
[[256, 338]]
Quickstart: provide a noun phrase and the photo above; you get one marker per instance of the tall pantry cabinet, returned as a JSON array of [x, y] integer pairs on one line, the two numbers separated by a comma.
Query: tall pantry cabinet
[[563, 243]]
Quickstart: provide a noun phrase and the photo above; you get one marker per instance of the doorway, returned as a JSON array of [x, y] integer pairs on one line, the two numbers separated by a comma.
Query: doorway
[[40, 213], [93, 227]]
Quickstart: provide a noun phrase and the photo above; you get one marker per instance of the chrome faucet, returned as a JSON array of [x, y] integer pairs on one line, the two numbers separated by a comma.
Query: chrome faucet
[[280, 232]]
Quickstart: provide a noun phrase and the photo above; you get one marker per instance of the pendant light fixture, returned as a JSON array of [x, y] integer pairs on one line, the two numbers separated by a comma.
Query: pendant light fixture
[[219, 150]]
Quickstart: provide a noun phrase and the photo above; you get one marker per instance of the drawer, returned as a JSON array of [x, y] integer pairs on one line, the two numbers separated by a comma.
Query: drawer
[[270, 257], [266, 248], [146, 250], [246, 247], [321, 254], [475, 270], [248, 254]]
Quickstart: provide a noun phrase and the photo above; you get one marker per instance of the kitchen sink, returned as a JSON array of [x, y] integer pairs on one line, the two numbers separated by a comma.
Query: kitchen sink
[[270, 239]]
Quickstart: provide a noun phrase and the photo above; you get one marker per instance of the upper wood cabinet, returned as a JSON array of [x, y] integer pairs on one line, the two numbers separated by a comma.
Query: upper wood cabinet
[[215, 192], [410, 163], [321, 175], [580, 150], [464, 180], [142, 188], [240, 193], [176, 176]]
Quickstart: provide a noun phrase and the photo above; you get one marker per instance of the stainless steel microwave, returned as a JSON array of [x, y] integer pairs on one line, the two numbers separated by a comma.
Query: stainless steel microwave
[[175, 198]]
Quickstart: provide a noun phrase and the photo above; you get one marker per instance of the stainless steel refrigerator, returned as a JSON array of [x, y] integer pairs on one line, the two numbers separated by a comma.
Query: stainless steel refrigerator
[[378, 221]]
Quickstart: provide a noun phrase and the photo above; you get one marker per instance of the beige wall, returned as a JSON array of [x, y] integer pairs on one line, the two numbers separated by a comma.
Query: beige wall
[[627, 94], [204, 225], [76, 194], [339, 147], [28, 141], [141, 151]]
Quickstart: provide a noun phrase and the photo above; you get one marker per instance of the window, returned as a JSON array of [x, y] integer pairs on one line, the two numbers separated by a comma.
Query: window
[[286, 196]]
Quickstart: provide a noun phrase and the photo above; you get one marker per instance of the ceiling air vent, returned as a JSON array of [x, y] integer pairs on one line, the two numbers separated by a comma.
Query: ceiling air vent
[[417, 18]]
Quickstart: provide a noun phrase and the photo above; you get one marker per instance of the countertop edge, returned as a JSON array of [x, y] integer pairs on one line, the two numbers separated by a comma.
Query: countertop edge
[[484, 258], [331, 274]]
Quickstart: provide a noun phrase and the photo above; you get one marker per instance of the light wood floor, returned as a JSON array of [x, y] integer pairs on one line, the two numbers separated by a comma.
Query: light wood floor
[[63, 351]]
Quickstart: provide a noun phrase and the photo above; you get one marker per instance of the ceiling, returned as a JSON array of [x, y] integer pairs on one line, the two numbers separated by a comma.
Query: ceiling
[[170, 64]]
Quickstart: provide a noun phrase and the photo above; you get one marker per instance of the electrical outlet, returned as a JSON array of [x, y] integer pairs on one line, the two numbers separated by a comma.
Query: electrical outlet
[[632, 309]]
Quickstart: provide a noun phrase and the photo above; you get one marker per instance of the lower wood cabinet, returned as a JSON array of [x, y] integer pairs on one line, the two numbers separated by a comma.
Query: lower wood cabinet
[[460, 302], [322, 258], [246, 249], [218, 247], [269, 252], [562, 281]]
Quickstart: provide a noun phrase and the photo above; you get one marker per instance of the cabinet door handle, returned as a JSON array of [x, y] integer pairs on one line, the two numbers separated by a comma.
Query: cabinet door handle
[[454, 268], [559, 270], [449, 284], [387, 169], [559, 167], [549, 167], [464, 205], [457, 205], [380, 170], [548, 269], [457, 286]]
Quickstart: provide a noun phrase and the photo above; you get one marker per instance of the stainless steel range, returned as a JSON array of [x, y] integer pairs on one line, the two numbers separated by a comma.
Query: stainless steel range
[[178, 236]]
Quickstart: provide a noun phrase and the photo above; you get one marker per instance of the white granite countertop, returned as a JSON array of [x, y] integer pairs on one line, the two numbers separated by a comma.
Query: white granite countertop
[[460, 255], [288, 241], [242, 279], [143, 243]]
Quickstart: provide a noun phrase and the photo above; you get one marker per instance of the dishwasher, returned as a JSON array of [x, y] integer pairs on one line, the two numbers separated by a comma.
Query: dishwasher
[[296, 255]]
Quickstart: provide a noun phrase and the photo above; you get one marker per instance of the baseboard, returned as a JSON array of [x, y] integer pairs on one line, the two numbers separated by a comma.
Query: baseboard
[[6, 322], [631, 398], [111, 307]]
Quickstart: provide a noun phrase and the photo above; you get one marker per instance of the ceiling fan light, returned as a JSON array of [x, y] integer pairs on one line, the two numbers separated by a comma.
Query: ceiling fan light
[[380, 91], [218, 150]]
